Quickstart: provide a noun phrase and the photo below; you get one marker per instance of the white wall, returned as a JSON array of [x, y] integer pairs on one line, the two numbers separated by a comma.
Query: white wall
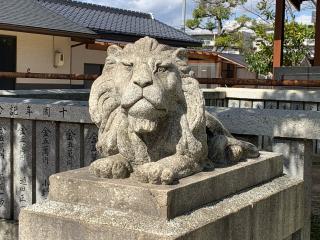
[[204, 70], [36, 52], [81, 55]]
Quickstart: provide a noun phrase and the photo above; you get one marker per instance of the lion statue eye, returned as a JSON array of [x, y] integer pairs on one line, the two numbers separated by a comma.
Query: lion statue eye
[[127, 64], [161, 69]]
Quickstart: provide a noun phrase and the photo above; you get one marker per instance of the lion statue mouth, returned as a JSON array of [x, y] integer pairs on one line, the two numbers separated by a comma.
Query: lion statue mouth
[[143, 107]]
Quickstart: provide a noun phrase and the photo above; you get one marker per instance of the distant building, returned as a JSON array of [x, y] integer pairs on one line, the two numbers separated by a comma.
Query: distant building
[[60, 36], [207, 37], [210, 65]]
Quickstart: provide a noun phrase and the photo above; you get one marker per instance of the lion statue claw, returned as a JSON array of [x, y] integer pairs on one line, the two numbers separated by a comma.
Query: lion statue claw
[[152, 120]]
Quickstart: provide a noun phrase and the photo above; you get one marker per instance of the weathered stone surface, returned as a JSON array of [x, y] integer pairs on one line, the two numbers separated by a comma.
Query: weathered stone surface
[[285, 105], [69, 146], [311, 106], [46, 157], [293, 152], [8, 230], [270, 211], [151, 117], [258, 104], [270, 122], [271, 105], [303, 95], [245, 104], [297, 106], [234, 103], [5, 169], [79, 186], [22, 164], [90, 140], [45, 109]]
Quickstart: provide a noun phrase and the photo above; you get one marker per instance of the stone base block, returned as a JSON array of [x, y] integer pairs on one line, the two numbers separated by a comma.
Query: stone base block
[[8, 230], [271, 211], [78, 186]]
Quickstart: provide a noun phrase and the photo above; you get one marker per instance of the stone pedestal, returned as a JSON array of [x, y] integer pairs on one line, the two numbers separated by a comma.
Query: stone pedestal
[[250, 200]]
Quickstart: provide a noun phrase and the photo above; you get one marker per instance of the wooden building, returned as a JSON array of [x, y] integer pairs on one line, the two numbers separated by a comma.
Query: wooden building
[[214, 65]]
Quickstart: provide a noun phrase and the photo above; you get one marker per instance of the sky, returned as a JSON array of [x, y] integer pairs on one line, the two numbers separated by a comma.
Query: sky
[[170, 11]]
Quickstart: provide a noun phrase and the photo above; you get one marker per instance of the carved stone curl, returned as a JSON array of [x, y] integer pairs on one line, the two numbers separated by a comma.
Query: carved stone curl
[[152, 120]]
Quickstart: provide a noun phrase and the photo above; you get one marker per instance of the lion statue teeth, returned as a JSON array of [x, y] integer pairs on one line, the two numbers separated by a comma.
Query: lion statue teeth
[[152, 120]]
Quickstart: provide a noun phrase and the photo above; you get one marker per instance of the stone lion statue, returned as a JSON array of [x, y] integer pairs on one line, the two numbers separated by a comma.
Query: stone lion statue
[[152, 120]]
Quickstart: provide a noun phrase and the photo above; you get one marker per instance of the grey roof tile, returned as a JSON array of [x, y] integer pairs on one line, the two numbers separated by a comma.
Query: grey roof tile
[[31, 14], [238, 58], [87, 19], [113, 20]]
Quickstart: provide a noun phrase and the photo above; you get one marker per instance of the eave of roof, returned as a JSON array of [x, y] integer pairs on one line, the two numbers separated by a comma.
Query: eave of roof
[[46, 31], [229, 58], [120, 37], [224, 56]]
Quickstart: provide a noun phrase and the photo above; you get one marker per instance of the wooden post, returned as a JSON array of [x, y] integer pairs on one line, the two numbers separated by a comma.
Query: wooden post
[[317, 37], [278, 34]]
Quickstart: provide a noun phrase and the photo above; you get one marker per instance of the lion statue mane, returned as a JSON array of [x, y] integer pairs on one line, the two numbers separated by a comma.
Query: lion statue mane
[[152, 120]]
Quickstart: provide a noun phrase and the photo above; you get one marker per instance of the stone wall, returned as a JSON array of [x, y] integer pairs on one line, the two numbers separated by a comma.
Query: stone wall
[[39, 137], [265, 117]]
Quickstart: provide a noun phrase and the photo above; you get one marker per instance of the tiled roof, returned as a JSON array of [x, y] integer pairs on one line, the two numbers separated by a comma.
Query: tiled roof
[[72, 18], [236, 58], [28, 13], [107, 20]]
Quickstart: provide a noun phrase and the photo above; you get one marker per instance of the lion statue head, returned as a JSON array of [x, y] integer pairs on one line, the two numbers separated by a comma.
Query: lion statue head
[[150, 114]]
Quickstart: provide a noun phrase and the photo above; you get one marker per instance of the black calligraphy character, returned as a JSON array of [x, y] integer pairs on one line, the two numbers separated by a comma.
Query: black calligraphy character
[[63, 111], [29, 111], [70, 134], [22, 199], [2, 153], [23, 181], [47, 111], [45, 132], [45, 189], [13, 110]]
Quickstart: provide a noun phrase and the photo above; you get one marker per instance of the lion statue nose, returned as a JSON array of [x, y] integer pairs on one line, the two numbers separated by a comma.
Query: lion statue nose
[[143, 82]]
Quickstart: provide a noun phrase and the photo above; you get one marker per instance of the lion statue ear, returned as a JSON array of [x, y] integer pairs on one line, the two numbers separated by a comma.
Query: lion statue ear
[[180, 58], [114, 50]]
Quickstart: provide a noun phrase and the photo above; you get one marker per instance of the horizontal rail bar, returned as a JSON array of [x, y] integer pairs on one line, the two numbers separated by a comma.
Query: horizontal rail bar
[[221, 81], [57, 76], [260, 82]]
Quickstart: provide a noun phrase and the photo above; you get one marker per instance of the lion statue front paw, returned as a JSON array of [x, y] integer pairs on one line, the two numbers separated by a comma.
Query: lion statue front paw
[[111, 167], [155, 173]]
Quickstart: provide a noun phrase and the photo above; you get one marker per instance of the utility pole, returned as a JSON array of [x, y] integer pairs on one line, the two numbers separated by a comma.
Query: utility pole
[[184, 12]]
